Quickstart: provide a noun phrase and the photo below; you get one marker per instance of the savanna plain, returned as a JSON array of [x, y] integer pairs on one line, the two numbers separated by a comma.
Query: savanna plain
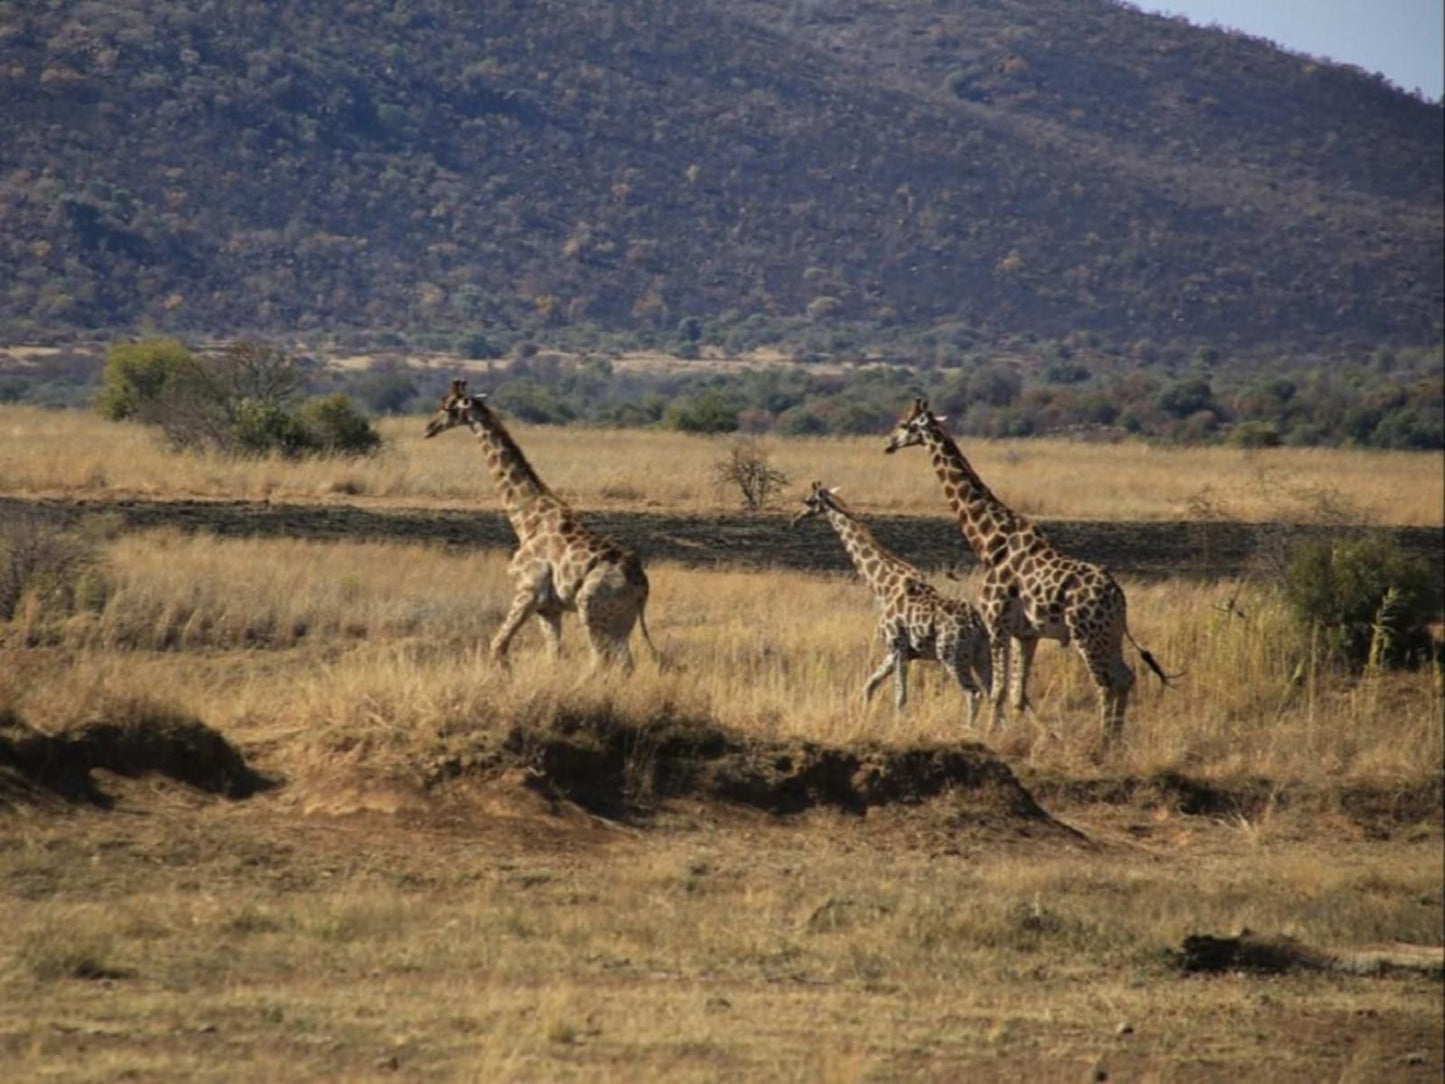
[[269, 811]]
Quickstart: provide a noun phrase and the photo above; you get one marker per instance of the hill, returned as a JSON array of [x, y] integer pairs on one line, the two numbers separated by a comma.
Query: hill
[[988, 168]]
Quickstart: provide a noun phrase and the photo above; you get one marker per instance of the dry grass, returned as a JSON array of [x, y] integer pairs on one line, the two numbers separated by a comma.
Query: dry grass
[[215, 944], [77, 454], [375, 646], [184, 938]]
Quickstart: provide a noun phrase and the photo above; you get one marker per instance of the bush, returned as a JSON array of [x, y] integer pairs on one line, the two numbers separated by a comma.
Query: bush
[[747, 470], [138, 375], [710, 412], [259, 427], [55, 570], [335, 427], [238, 401], [1368, 598]]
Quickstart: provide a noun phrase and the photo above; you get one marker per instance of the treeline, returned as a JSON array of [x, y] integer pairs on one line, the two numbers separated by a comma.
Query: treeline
[[1390, 399], [1367, 406]]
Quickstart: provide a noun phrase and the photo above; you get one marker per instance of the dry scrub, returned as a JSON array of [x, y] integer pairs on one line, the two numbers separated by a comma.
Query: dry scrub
[[375, 653], [188, 937], [76, 454], [224, 943]]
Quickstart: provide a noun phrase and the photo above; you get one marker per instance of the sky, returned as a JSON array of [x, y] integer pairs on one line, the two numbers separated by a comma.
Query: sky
[[1402, 39]]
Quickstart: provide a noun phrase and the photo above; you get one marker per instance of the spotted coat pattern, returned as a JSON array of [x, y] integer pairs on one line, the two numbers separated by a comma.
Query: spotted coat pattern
[[1030, 590], [915, 620], [559, 565]]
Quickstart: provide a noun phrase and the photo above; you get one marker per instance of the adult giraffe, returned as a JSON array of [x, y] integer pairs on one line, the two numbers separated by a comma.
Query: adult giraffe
[[1030, 590], [559, 564]]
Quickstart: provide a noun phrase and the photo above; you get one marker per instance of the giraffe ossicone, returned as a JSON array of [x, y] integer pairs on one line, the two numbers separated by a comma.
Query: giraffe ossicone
[[1030, 590], [915, 621], [559, 564]]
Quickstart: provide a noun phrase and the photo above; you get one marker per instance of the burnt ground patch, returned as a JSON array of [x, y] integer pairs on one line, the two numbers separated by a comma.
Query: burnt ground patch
[[1142, 549], [1377, 809], [129, 740]]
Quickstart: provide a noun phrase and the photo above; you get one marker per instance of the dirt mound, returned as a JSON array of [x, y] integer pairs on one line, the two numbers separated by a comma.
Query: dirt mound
[[132, 740], [627, 770]]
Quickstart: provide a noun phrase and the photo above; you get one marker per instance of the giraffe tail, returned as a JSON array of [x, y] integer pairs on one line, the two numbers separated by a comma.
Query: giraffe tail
[[1151, 662], [664, 663]]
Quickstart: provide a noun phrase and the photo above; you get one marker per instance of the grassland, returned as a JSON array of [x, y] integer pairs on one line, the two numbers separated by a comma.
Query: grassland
[[365, 919], [404, 903], [55, 453]]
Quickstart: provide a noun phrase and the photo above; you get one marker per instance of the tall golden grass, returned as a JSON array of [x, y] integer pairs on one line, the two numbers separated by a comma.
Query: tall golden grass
[[72, 453], [374, 652]]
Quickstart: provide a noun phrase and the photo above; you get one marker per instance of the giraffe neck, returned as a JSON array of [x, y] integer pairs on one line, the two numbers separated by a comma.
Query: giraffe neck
[[987, 523], [879, 568], [518, 483]]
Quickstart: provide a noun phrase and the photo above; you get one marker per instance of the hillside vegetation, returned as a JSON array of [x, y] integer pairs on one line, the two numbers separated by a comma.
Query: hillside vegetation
[[711, 172]]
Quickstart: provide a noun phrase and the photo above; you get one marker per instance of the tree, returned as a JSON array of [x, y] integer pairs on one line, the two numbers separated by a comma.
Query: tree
[[240, 400], [710, 412], [137, 375], [747, 470]]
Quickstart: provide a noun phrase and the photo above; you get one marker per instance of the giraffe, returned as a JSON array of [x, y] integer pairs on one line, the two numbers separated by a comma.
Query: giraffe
[[559, 564], [915, 620], [1030, 590]]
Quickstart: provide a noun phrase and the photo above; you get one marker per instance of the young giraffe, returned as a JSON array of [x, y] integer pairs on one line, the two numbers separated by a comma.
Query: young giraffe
[[915, 620], [559, 565], [1030, 590]]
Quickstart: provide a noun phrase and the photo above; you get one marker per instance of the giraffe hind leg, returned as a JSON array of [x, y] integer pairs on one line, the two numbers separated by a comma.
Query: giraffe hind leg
[[1019, 678], [900, 680], [551, 630], [878, 676], [1113, 679], [608, 605]]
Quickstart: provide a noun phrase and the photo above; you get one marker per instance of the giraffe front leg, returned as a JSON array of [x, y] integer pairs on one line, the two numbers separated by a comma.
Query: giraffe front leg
[[877, 677], [961, 668], [523, 606], [999, 662]]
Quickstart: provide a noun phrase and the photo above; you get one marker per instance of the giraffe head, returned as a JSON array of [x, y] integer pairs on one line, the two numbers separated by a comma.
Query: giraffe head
[[914, 426], [456, 408], [818, 501]]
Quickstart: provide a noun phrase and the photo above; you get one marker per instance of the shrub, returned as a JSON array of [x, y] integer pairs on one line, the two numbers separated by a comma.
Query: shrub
[[238, 401], [1187, 398], [1254, 435], [258, 427], [747, 470], [710, 412], [476, 344], [1369, 599], [56, 570], [334, 426], [137, 375]]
